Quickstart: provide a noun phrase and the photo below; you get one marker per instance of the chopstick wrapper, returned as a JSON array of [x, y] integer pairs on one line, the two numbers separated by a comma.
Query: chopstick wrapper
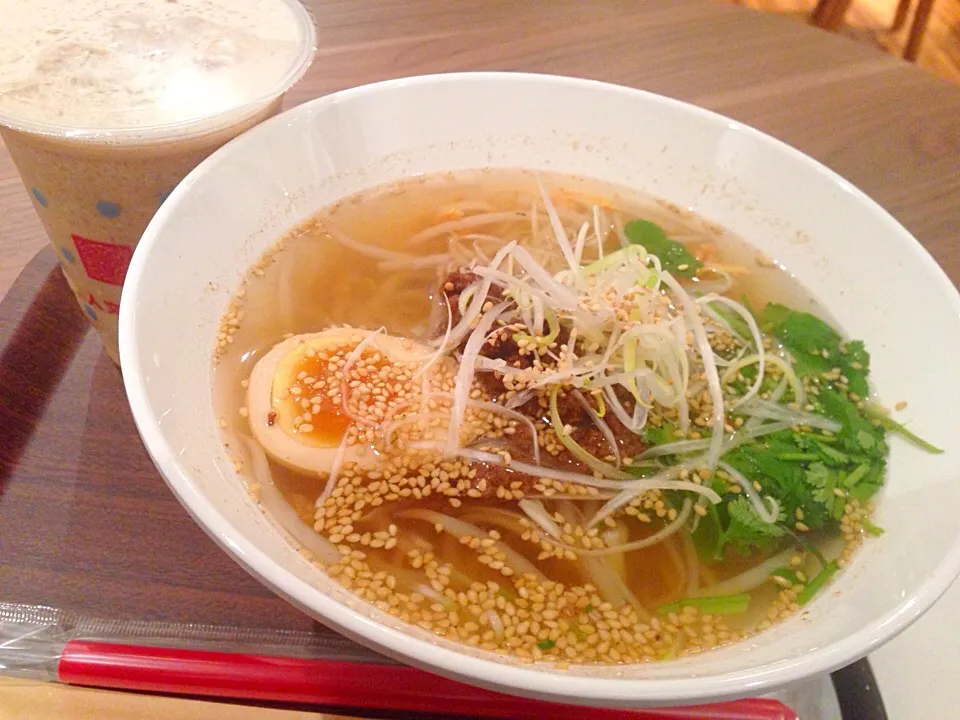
[[280, 667]]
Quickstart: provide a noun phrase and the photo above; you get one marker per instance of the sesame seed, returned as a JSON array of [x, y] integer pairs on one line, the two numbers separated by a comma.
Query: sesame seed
[[442, 582]]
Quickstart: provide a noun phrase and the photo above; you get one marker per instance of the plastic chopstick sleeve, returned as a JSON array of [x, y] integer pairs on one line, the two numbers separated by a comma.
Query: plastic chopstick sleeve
[[342, 684]]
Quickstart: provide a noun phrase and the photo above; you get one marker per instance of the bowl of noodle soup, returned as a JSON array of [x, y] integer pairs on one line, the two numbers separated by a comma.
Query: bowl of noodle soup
[[554, 387]]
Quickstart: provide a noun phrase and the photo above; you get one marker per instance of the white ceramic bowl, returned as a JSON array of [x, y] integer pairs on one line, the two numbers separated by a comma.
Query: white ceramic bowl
[[876, 280]]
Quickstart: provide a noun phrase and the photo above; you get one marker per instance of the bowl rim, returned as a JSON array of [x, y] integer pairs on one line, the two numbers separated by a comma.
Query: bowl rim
[[522, 680]]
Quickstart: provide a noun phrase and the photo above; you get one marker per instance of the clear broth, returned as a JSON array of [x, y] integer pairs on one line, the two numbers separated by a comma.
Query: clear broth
[[308, 283]]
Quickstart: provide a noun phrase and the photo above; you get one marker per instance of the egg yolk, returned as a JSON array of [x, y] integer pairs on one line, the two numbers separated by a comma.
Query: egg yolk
[[310, 408], [309, 404]]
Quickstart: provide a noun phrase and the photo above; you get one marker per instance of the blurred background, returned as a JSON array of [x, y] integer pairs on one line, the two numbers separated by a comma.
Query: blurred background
[[926, 32]]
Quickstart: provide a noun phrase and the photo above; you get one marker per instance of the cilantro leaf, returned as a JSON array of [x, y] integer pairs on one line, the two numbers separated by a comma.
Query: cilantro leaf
[[773, 315], [674, 257], [804, 472], [856, 365], [666, 433], [816, 347], [825, 481], [746, 530], [737, 323], [803, 331], [858, 435], [812, 474], [708, 535], [782, 479]]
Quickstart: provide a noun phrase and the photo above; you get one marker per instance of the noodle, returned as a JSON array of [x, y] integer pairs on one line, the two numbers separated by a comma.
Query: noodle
[[531, 413]]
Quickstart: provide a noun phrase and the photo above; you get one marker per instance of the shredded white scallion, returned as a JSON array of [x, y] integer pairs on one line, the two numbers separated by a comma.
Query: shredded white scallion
[[464, 382], [709, 366], [764, 512]]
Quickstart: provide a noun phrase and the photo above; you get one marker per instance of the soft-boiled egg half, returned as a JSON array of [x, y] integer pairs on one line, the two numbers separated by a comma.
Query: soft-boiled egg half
[[294, 396]]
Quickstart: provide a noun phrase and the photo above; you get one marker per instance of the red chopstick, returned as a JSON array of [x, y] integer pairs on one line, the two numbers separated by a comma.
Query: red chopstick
[[343, 685]]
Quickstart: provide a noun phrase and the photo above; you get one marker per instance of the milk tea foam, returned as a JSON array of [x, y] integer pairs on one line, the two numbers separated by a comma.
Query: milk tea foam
[[122, 64], [105, 106]]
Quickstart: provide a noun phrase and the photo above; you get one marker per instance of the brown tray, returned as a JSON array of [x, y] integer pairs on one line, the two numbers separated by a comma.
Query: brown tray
[[87, 524]]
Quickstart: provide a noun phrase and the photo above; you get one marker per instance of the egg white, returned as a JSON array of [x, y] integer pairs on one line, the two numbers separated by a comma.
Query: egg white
[[276, 372]]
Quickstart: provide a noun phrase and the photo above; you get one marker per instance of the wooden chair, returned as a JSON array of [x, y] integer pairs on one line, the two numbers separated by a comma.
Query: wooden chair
[[829, 15]]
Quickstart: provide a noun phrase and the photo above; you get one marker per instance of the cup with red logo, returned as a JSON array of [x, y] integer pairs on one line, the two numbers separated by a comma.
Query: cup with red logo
[[106, 105]]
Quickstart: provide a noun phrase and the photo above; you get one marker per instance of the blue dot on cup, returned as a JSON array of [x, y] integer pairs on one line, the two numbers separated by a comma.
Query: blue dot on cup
[[108, 209], [39, 197], [67, 255], [91, 312], [165, 195]]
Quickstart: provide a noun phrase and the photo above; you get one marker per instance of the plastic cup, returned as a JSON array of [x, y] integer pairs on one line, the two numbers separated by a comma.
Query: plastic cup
[[98, 162]]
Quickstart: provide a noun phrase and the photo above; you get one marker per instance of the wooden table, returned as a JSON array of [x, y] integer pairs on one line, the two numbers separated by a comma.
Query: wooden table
[[891, 129]]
